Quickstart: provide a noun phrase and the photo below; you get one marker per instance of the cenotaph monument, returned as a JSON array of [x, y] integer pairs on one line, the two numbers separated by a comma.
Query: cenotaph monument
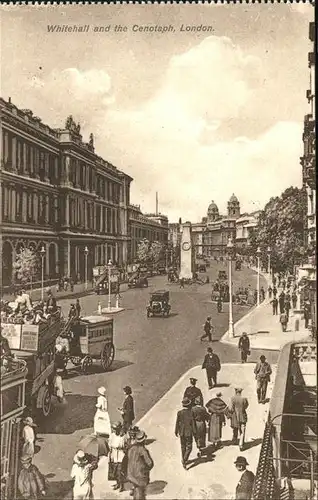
[[186, 252]]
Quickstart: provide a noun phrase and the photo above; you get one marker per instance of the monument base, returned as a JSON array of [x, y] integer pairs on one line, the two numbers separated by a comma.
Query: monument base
[[112, 310]]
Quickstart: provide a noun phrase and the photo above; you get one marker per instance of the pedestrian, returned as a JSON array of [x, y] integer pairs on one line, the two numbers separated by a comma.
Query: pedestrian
[[219, 304], [72, 284], [270, 292], [294, 300], [244, 488], [274, 291], [284, 284], [127, 411], [101, 419], [139, 466], [262, 372], [185, 430], [255, 296], [78, 308], [238, 415], [117, 444], [208, 328], [192, 392], [283, 319], [28, 438], [51, 304], [262, 293], [200, 417], [31, 483], [212, 366], [274, 303], [81, 473], [281, 300], [60, 369], [244, 347], [216, 408], [287, 308], [181, 281], [307, 312]]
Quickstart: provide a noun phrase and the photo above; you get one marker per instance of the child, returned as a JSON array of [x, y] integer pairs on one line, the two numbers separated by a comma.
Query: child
[[117, 444]]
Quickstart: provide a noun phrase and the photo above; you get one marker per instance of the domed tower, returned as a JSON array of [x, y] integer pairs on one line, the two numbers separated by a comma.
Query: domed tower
[[213, 212], [233, 207]]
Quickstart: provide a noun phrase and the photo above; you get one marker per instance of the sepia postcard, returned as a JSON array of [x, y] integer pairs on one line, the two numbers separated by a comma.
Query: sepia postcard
[[158, 248]]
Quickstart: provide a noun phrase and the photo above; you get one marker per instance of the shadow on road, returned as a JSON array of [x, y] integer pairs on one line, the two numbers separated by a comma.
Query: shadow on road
[[156, 487], [59, 489], [78, 413], [251, 444]]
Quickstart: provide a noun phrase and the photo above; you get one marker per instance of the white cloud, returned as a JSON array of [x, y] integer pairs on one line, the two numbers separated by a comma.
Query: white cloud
[[173, 143]]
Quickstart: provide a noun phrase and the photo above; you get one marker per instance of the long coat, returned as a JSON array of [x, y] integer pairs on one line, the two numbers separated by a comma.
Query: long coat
[[185, 423], [31, 483], [192, 393], [128, 410], [217, 408], [200, 417], [237, 411], [211, 363], [139, 465], [244, 487]]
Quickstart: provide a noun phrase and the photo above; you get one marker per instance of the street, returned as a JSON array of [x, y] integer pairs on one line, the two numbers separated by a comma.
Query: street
[[151, 355]]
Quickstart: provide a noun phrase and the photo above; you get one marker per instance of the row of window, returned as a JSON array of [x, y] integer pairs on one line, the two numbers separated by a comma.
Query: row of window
[[19, 205]]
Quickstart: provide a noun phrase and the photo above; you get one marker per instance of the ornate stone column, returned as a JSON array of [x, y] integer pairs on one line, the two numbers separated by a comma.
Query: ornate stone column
[[14, 154]]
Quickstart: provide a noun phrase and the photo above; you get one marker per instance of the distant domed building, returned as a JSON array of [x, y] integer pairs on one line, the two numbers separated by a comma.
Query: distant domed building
[[211, 235]]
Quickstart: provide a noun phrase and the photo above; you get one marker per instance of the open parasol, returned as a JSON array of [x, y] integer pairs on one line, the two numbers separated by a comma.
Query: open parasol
[[94, 445]]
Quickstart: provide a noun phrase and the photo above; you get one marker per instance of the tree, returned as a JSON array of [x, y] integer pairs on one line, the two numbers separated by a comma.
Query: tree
[[150, 253], [281, 226], [143, 251], [26, 265]]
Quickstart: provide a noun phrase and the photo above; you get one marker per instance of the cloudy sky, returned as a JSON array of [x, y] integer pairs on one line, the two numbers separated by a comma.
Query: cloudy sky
[[195, 116]]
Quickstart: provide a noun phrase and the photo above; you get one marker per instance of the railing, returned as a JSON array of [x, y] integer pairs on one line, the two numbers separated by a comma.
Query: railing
[[305, 351], [16, 367]]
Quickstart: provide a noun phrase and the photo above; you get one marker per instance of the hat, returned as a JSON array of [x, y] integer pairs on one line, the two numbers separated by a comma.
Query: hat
[[48, 290], [116, 425], [102, 391], [127, 389], [193, 379], [210, 349], [209, 317], [218, 394], [186, 402], [79, 457], [238, 389], [29, 421], [140, 436], [244, 333], [241, 461]]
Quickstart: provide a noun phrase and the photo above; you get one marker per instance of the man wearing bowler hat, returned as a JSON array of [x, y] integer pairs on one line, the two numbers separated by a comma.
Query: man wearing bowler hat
[[244, 488], [185, 430], [192, 392], [127, 411], [139, 466]]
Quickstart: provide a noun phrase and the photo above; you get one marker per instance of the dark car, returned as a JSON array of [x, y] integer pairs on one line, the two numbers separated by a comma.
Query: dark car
[[222, 275], [138, 281], [159, 304]]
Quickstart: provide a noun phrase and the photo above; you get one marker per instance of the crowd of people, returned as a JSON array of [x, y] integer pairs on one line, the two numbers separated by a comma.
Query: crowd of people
[[23, 312], [203, 424]]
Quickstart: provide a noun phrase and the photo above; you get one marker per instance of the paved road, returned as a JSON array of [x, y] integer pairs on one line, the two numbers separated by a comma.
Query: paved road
[[151, 355]]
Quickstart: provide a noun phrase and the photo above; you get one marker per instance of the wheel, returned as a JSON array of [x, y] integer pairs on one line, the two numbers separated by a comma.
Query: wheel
[[76, 360], [86, 363], [107, 356], [46, 401]]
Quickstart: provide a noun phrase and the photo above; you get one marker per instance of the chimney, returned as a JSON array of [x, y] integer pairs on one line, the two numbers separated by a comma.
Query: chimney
[[156, 202], [9, 100]]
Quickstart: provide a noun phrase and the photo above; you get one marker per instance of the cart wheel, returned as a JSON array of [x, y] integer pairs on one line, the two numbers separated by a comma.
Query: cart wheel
[[46, 402], [107, 356], [86, 363], [76, 360]]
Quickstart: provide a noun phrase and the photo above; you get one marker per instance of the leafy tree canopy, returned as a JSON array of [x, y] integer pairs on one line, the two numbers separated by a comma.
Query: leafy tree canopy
[[26, 265], [150, 253]]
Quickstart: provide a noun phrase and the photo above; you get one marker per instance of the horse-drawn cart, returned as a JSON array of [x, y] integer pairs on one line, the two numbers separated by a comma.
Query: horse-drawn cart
[[91, 338]]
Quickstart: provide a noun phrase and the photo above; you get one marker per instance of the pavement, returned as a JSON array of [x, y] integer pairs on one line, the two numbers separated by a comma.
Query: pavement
[[80, 290], [205, 479], [264, 329]]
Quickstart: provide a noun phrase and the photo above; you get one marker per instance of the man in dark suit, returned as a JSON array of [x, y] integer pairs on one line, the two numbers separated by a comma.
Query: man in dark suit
[[262, 372], [51, 302], [212, 366], [192, 392], [185, 430], [127, 411], [244, 488]]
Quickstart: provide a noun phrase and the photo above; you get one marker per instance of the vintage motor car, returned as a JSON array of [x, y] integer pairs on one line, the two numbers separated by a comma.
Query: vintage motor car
[[138, 281], [159, 304], [222, 275]]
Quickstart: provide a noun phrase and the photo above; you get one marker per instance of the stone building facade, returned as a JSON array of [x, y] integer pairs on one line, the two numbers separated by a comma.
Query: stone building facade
[[57, 193], [153, 227]]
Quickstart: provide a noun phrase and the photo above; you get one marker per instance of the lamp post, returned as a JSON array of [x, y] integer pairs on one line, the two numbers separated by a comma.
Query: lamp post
[[230, 250], [109, 283], [42, 253], [167, 256], [86, 255], [269, 260], [258, 255]]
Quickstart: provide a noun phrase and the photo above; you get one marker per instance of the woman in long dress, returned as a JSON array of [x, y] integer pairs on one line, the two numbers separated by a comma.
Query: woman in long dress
[[28, 437], [101, 419], [217, 409]]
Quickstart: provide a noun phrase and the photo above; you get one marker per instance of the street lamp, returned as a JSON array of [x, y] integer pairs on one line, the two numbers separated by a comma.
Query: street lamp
[[269, 259], [258, 255], [109, 265], [230, 251], [42, 253], [86, 255]]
